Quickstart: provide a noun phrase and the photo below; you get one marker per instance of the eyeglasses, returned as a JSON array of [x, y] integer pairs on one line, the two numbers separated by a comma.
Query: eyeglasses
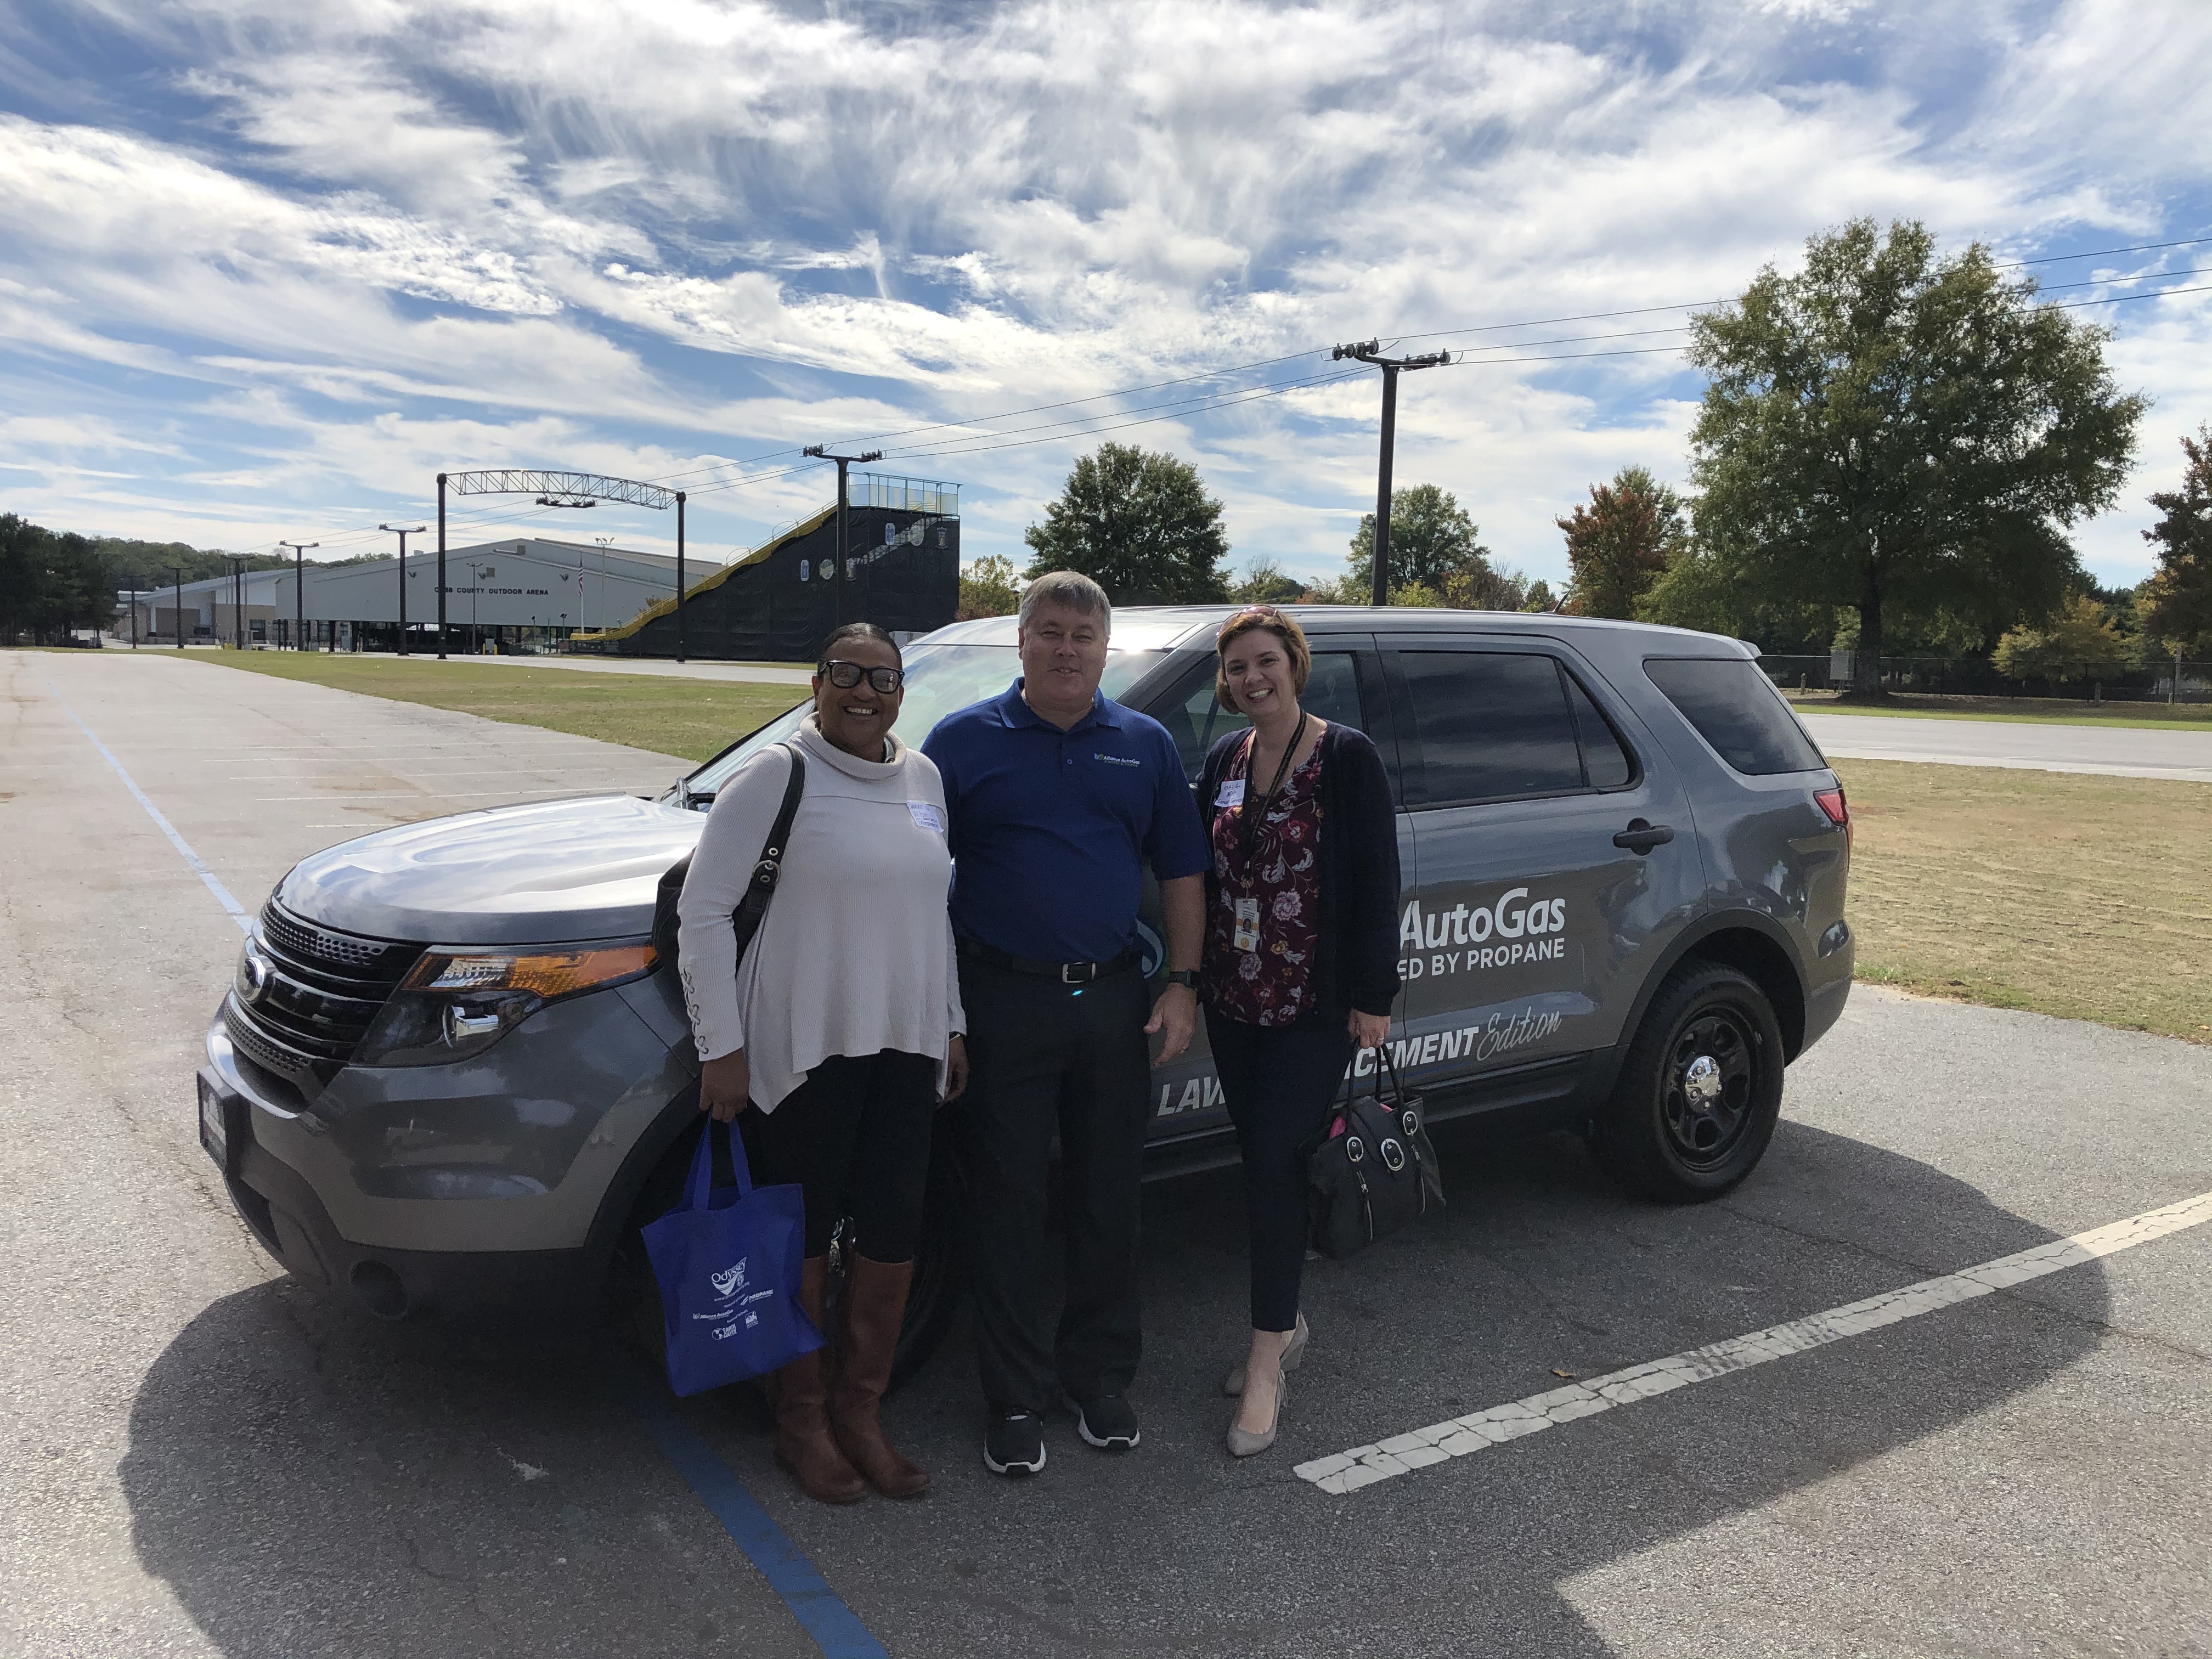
[[846, 675]]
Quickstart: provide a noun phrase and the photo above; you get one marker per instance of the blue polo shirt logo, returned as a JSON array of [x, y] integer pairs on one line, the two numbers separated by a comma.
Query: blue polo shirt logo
[[1048, 856]]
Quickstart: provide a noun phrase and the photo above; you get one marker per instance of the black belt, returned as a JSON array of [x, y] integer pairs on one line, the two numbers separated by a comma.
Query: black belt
[[1067, 973]]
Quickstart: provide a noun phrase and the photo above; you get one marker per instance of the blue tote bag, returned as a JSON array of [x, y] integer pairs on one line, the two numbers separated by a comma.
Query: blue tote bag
[[727, 1261]]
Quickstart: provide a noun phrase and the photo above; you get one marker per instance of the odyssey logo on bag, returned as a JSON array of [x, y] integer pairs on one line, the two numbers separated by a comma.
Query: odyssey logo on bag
[[729, 1280]]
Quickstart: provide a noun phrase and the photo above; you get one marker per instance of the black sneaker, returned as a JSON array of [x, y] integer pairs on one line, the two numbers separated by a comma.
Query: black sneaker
[[1015, 1445], [1108, 1423]]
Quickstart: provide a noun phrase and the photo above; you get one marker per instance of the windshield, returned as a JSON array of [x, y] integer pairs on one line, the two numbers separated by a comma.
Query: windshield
[[939, 679]]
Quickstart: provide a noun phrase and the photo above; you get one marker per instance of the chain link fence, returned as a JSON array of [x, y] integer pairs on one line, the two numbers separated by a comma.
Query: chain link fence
[[1978, 677]]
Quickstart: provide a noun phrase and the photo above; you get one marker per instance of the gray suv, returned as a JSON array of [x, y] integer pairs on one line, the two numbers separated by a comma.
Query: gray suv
[[450, 1073]]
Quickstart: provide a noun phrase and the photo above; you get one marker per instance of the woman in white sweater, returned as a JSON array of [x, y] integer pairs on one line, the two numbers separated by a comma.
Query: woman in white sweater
[[841, 1027]]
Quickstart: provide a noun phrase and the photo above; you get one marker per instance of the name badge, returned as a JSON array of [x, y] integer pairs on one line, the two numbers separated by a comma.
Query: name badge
[[926, 816], [1247, 934], [1232, 793]]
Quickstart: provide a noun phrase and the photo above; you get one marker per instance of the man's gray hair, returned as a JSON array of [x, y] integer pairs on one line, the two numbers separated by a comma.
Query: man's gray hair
[[1071, 588]]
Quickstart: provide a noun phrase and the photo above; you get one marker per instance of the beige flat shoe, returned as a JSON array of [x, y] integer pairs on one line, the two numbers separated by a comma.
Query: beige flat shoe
[[1247, 1443], [1293, 1351]]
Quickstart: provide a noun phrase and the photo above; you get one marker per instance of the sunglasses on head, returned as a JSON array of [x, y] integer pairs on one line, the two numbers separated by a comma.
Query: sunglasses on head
[[846, 675]]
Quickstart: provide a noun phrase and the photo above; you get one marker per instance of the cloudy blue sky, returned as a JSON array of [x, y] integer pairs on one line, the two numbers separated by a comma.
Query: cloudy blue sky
[[267, 266]]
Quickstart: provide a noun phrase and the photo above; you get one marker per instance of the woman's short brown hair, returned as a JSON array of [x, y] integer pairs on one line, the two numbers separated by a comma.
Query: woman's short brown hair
[[1282, 627]]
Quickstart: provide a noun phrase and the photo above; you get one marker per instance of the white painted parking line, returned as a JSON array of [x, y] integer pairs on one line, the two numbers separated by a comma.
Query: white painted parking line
[[1363, 1466], [198, 865]]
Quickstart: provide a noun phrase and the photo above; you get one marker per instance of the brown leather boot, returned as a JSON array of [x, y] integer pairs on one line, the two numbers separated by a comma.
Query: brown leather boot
[[804, 1444], [874, 1309]]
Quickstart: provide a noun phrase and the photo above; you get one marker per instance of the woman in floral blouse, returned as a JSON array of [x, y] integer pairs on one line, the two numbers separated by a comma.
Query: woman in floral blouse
[[1300, 963]]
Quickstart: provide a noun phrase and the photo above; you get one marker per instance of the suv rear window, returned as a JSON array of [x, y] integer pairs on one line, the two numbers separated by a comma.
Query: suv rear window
[[1736, 709]]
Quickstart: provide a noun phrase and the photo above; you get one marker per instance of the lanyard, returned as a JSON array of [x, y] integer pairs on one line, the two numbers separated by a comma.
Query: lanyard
[[1249, 814]]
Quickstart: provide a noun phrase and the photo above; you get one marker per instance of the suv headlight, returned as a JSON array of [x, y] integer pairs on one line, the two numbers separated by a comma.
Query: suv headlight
[[456, 1003]]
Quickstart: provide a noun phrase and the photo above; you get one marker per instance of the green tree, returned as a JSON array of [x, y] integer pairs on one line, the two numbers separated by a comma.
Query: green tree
[[1538, 597], [1887, 428], [2079, 643], [1621, 543], [145, 565], [1431, 538], [1140, 524], [989, 587], [1266, 582], [50, 582], [2174, 604], [1700, 591]]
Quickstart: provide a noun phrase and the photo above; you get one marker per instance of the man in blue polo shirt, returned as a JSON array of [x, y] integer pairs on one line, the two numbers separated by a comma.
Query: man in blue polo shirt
[[1056, 799]]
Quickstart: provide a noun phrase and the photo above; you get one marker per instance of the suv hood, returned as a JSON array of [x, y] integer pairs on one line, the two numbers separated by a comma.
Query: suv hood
[[540, 873]]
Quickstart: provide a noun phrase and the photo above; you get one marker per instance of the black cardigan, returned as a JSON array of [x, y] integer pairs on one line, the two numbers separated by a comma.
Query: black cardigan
[[1357, 963]]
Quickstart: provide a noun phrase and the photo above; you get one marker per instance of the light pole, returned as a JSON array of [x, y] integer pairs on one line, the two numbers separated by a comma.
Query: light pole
[[680, 575], [1367, 352], [441, 567], [300, 590], [177, 590], [403, 531], [837, 589]]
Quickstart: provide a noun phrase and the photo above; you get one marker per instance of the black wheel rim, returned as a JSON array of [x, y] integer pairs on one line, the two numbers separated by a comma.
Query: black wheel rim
[[1708, 1089]]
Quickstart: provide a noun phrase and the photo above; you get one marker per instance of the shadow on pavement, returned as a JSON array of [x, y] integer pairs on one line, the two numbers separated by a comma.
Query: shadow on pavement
[[307, 1485]]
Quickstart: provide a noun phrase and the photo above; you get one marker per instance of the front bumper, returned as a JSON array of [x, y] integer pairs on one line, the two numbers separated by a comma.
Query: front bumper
[[404, 1189]]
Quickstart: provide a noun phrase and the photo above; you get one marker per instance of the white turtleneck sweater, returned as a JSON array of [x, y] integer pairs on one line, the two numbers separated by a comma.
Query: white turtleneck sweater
[[855, 954]]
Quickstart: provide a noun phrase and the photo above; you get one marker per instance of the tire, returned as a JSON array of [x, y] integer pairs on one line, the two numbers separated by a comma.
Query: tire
[[939, 1265], [1698, 1094]]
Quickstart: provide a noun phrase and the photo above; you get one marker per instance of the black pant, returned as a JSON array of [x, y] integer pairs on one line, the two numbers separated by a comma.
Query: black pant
[[1046, 1057], [855, 1135], [1277, 1082]]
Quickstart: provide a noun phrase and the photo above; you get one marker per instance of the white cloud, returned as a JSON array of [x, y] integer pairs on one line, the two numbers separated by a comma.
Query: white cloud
[[371, 236]]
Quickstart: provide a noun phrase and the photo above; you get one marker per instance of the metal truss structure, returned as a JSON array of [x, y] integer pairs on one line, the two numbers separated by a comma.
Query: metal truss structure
[[517, 480]]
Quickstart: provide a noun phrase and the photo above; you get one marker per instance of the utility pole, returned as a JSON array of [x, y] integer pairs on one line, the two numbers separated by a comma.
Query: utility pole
[[176, 588], [300, 590], [441, 567], [843, 558], [134, 612], [237, 610], [1368, 352], [680, 575], [403, 531]]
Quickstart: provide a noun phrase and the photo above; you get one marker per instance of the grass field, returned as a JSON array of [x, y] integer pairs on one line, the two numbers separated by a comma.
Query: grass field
[[691, 717], [2089, 897], [2034, 711]]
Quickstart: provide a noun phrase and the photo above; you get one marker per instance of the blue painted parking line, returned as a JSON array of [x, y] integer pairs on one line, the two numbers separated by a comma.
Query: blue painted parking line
[[237, 912], [836, 1629]]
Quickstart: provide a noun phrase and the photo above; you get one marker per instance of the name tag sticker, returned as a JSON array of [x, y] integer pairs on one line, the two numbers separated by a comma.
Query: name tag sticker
[[1232, 793], [926, 816]]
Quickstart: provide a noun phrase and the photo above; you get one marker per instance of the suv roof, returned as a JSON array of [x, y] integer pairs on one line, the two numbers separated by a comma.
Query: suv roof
[[1164, 627]]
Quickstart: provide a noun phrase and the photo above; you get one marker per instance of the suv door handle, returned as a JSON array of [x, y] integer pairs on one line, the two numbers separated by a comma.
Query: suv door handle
[[1642, 835]]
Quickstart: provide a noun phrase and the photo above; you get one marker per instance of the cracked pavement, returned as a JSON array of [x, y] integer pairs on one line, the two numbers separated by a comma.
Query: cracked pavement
[[201, 1459]]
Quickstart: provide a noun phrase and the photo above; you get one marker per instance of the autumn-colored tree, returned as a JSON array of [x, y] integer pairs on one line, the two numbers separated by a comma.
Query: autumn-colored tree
[[2079, 643], [1621, 544]]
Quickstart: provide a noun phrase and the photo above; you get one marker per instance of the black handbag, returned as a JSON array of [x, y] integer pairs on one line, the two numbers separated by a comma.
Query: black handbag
[[1378, 1173], [746, 918]]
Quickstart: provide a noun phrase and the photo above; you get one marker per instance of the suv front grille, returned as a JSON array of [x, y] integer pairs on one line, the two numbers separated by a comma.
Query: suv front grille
[[312, 1009]]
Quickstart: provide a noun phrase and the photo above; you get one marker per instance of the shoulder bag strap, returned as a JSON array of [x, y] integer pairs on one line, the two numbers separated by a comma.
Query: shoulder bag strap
[[769, 866]]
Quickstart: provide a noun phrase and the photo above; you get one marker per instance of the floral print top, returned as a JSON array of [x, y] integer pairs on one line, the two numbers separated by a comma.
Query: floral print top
[[1273, 985]]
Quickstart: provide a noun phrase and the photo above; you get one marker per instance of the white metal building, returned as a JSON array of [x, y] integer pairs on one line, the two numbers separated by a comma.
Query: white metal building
[[523, 587]]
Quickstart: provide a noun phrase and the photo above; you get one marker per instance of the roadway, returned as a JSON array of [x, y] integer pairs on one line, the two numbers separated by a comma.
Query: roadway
[[200, 1458], [2124, 751]]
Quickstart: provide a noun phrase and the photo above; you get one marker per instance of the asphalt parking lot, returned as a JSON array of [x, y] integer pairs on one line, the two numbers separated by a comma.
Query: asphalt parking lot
[[200, 1458]]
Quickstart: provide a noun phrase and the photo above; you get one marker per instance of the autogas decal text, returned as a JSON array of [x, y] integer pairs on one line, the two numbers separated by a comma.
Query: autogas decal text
[[1514, 929]]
